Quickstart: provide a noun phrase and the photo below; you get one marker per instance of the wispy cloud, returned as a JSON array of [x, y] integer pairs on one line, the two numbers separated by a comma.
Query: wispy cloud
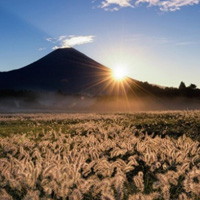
[[164, 5], [149, 39], [161, 40], [41, 49], [62, 37], [186, 43], [49, 39], [174, 5], [55, 47], [70, 41], [53, 40]]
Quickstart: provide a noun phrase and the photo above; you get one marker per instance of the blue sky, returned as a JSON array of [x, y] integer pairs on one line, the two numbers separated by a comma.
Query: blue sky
[[156, 41]]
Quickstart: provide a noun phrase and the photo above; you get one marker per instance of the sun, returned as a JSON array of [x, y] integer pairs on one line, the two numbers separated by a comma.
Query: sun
[[119, 73]]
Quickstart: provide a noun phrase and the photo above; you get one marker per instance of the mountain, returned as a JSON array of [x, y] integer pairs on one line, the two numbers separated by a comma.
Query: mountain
[[66, 79], [65, 70]]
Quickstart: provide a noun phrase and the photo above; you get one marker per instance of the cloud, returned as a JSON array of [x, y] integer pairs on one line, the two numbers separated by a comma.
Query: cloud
[[52, 40], [164, 5], [107, 4], [161, 40], [76, 40], [55, 47], [70, 41], [49, 39], [120, 3], [169, 5], [174, 5], [61, 38], [185, 43], [41, 49]]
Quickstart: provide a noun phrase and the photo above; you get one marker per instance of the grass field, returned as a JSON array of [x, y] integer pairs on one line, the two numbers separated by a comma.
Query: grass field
[[154, 155]]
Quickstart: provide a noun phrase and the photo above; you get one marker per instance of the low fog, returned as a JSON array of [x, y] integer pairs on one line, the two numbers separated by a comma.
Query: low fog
[[51, 102]]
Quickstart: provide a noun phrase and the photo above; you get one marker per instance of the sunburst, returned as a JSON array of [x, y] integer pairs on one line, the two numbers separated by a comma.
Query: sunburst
[[119, 73]]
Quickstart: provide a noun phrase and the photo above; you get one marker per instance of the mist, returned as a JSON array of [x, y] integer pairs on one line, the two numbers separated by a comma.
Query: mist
[[55, 102]]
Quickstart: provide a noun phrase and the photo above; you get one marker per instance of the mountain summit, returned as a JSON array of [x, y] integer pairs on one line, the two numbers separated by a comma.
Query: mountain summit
[[65, 70]]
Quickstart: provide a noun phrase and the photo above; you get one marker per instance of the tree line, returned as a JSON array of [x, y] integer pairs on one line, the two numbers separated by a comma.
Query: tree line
[[136, 88], [146, 89]]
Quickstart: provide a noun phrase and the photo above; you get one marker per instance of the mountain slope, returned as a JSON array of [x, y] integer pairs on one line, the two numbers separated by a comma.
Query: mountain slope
[[66, 69]]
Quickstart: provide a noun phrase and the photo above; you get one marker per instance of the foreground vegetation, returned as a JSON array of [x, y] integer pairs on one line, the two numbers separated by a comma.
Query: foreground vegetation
[[89, 156]]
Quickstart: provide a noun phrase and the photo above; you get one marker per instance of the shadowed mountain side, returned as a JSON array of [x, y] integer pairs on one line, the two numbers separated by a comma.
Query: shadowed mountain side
[[65, 70]]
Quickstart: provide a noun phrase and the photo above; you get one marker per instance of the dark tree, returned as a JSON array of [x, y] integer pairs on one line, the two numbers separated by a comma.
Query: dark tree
[[192, 86], [182, 86]]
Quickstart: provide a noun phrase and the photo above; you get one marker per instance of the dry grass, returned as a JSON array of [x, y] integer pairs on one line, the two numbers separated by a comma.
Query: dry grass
[[99, 160]]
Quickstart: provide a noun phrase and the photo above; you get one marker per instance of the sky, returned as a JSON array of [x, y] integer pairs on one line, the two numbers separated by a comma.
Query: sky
[[153, 40]]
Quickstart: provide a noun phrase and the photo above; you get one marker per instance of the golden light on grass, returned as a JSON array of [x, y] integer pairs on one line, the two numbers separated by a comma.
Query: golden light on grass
[[37, 168]]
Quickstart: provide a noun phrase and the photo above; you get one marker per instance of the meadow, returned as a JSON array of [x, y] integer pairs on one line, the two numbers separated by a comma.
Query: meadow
[[122, 156]]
